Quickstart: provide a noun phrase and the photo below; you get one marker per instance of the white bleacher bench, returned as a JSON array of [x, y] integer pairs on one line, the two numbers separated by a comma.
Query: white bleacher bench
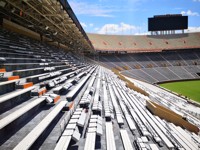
[[67, 86], [8, 82], [75, 116], [119, 119], [43, 64], [71, 126], [73, 121], [81, 120], [13, 116], [64, 141], [39, 76], [51, 84], [77, 113], [126, 140], [43, 60], [94, 116], [74, 91], [69, 133], [91, 125], [2, 59], [62, 79], [27, 142], [144, 139], [153, 147], [130, 123], [92, 130], [110, 140], [90, 141], [76, 136], [15, 94], [99, 129], [79, 109]]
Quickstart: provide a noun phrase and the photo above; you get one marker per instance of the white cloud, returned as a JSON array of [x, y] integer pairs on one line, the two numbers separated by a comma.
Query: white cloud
[[143, 33], [121, 28], [189, 13], [193, 29], [83, 25], [196, 0], [96, 29], [84, 8], [91, 24]]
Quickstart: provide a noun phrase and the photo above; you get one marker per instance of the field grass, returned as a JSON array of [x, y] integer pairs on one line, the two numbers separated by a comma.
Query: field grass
[[191, 89]]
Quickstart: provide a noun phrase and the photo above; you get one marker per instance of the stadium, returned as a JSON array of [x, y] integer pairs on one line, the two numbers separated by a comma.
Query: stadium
[[64, 89]]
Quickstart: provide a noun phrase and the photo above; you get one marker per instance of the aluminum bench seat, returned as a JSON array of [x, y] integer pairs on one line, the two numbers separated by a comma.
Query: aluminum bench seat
[[126, 140], [16, 93], [27, 142], [13, 116]]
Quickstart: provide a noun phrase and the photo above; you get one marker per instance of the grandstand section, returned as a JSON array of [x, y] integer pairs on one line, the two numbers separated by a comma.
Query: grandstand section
[[144, 43], [53, 97], [155, 67], [60, 102]]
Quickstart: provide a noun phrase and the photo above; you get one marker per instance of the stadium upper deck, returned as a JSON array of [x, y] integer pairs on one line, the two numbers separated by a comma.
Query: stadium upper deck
[[144, 43]]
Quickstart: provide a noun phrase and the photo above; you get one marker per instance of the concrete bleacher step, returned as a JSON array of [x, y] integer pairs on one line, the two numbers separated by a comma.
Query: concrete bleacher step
[[16, 55], [9, 78], [20, 66], [40, 70], [19, 112], [24, 85], [7, 86], [28, 141], [28, 72], [10, 99], [22, 60], [39, 92]]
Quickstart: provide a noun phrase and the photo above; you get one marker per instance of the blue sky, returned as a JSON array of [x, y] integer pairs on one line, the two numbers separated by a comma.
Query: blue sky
[[130, 16]]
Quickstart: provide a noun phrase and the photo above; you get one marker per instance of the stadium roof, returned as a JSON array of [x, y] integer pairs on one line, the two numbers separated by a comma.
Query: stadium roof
[[144, 43], [51, 18]]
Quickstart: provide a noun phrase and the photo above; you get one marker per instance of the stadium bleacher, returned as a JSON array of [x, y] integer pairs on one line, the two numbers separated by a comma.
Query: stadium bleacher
[[53, 98], [77, 106], [155, 67], [144, 43]]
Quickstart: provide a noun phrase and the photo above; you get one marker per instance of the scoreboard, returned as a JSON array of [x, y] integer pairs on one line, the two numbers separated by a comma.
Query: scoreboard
[[168, 22]]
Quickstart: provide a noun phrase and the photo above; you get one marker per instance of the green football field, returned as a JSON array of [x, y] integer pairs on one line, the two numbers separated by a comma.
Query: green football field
[[190, 89]]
